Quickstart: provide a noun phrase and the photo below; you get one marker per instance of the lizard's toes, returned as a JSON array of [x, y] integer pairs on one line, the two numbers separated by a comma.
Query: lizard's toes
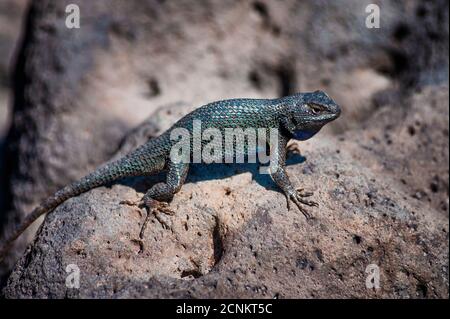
[[127, 202], [312, 203], [308, 203], [140, 242], [138, 203], [163, 204], [300, 207], [302, 193], [293, 147], [162, 220], [161, 207], [165, 210]]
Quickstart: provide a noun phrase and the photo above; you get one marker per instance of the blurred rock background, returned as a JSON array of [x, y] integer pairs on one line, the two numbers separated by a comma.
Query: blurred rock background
[[380, 172], [11, 18]]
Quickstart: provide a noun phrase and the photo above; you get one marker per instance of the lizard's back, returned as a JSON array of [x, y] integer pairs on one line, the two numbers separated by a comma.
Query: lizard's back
[[245, 115]]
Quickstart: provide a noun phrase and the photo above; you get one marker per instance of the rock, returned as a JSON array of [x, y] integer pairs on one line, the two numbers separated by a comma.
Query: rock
[[78, 91], [11, 16], [232, 235]]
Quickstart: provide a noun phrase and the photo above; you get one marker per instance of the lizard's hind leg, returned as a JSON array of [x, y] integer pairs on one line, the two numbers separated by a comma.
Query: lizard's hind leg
[[156, 198]]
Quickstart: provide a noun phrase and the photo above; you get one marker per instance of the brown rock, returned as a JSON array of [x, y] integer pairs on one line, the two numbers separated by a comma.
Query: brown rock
[[232, 235], [78, 92]]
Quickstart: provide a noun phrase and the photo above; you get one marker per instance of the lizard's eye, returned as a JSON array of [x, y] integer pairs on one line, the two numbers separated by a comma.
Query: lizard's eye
[[315, 109]]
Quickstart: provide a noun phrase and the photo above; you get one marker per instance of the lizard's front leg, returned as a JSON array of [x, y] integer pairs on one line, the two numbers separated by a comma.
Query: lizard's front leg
[[280, 177]]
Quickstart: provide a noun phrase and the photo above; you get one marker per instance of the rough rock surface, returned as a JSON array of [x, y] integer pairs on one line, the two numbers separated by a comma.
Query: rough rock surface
[[384, 196], [233, 236]]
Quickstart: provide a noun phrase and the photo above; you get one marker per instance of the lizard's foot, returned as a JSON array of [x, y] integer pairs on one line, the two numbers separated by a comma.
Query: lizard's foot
[[154, 208], [128, 202], [137, 204], [151, 204], [298, 198], [293, 147]]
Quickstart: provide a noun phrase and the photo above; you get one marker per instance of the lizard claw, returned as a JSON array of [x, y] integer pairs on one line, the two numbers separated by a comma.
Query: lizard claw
[[302, 193], [151, 204], [138, 203], [158, 207], [153, 207], [293, 147], [301, 208], [297, 198]]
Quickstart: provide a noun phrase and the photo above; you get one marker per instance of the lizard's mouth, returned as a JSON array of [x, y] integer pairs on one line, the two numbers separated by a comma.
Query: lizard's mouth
[[330, 117], [326, 118]]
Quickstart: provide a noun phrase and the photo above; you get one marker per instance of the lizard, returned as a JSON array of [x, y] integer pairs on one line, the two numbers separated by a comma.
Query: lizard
[[299, 116]]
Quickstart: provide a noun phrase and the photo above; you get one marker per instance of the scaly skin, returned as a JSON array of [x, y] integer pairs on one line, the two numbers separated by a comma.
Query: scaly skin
[[299, 116]]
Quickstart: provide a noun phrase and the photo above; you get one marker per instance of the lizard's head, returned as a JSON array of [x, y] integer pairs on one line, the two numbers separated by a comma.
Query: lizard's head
[[307, 113]]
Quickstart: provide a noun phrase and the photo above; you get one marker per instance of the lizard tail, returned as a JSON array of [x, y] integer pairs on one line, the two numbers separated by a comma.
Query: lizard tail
[[104, 175]]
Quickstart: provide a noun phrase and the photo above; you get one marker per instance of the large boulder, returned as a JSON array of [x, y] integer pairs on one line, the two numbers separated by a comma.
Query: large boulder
[[78, 91], [383, 202]]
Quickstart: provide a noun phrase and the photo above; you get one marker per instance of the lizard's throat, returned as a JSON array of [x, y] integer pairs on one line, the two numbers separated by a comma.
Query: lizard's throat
[[303, 135]]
